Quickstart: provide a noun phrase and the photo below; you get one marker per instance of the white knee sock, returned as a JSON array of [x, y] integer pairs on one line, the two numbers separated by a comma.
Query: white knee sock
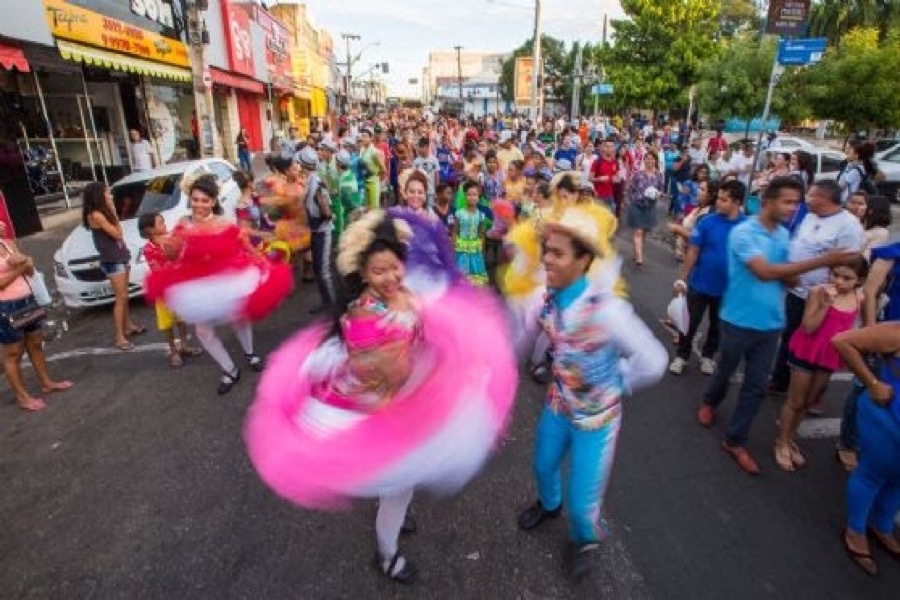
[[244, 334], [213, 346], [388, 522]]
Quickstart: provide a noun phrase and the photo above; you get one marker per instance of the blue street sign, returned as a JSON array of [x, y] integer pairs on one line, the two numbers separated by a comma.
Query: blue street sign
[[602, 89], [801, 52]]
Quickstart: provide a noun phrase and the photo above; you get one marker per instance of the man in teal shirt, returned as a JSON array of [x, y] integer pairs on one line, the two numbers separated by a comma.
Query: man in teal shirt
[[752, 311]]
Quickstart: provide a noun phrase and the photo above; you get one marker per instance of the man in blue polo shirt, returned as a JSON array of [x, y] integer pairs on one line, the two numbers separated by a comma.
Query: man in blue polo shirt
[[705, 269], [752, 312]]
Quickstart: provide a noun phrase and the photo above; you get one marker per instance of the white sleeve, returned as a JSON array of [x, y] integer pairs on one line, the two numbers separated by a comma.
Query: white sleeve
[[644, 359], [524, 313]]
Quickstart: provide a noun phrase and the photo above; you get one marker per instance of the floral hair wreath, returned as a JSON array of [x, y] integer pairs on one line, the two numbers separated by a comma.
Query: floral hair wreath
[[360, 235]]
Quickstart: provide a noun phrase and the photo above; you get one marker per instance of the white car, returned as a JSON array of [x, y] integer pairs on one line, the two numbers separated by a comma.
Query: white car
[[76, 264], [786, 143], [889, 164]]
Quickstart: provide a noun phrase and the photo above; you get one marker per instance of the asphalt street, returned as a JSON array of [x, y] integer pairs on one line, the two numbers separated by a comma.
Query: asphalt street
[[135, 484]]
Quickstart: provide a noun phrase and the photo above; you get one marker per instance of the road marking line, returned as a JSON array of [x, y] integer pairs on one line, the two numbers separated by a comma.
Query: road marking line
[[78, 352], [819, 428]]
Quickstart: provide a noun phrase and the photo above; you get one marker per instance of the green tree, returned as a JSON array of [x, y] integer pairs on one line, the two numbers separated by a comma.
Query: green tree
[[739, 16], [855, 83], [658, 50], [835, 18]]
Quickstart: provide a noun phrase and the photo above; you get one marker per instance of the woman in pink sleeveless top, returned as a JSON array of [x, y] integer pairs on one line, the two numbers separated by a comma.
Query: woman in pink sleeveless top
[[15, 294]]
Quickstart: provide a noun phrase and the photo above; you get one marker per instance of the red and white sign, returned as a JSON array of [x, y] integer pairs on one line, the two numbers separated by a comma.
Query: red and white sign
[[237, 36], [278, 49]]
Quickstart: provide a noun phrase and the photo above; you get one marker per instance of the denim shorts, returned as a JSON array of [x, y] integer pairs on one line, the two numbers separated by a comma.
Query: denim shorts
[[112, 268], [9, 335]]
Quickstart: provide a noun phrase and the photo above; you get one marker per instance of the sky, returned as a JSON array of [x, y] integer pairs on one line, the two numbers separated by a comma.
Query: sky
[[409, 29]]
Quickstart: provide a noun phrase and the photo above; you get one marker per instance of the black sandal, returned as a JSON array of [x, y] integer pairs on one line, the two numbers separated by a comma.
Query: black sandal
[[409, 525], [405, 574], [228, 380], [256, 363]]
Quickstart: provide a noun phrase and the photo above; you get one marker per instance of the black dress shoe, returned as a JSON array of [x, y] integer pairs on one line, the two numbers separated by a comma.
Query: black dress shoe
[[256, 363], [398, 569], [536, 514], [227, 381], [580, 560]]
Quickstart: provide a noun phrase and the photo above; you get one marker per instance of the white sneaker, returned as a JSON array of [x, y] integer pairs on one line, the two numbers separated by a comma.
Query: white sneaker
[[707, 366], [677, 366]]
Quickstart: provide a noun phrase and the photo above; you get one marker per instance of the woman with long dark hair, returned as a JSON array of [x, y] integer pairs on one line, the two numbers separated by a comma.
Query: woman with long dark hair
[[643, 190], [860, 166], [99, 215]]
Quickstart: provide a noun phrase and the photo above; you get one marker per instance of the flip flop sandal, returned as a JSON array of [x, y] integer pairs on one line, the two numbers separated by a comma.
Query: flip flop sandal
[[140, 329], [783, 457], [60, 386], [33, 405], [796, 456], [863, 560], [125, 346]]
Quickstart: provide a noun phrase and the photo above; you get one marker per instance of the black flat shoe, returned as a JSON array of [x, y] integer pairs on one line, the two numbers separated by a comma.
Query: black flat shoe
[[409, 525], [536, 514], [228, 380], [255, 362], [398, 569], [580, 560]]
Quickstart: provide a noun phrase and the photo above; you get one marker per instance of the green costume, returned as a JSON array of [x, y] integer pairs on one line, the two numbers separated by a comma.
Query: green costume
[[368, 157], [346, 201]]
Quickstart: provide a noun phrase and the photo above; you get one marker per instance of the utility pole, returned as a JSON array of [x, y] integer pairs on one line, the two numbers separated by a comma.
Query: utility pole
[[536, 63], [577, 78], [459, 70], [198, 38], [349, 37]]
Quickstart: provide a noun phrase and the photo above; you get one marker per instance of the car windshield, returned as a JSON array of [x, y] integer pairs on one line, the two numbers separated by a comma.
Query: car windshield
[[892, 157], [884, 144], [152, 196]]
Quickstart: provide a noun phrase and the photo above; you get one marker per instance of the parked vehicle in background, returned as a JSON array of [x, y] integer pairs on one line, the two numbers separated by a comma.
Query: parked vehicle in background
[[889, 164], [789, 143], [76, 264], [885, 144], [826, 162]]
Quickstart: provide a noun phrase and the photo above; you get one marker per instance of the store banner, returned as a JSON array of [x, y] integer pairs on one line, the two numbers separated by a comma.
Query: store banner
[[278, 49], [69, 20], [524, 68], [237, 36]]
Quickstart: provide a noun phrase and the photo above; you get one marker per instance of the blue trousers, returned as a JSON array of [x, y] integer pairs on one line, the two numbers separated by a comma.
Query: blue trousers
[[591, 458], [873, 490], [756, 348]]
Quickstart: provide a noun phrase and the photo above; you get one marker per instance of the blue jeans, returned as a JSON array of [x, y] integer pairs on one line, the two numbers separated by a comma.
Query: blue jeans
[[849, 435], [591, 458], [873, 490], [756, 348], [244, 159]]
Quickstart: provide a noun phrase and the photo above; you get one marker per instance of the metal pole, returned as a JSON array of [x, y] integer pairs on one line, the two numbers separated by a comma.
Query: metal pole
[[90, 112], [62, 176], [777, 70], [536, 61], [87, 142], [576, 82], [459, 70]]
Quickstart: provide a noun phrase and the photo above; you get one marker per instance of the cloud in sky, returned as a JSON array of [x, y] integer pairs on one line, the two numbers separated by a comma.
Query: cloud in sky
[[409, 29]]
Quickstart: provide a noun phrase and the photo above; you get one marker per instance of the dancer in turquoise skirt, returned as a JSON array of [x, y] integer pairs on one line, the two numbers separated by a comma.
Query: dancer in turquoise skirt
[[468, 236]]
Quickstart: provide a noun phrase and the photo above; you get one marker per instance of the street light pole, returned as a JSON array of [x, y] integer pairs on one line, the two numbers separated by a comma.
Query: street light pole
[[536, 62], [349, 37], [198, 37], [459, 70]]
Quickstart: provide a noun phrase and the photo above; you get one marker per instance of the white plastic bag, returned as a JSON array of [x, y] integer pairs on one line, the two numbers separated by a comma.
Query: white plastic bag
[[678, 313], [39, 289]]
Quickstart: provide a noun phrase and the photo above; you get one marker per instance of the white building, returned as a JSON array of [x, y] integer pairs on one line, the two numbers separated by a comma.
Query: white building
[[446, 67], [480, 97]]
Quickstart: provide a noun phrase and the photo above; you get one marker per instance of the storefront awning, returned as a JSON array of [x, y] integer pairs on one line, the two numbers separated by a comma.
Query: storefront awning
[[238, 82], [120, 62], [12, 57]]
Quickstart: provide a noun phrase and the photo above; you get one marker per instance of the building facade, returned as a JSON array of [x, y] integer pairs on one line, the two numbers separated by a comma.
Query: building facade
[[443, 66]]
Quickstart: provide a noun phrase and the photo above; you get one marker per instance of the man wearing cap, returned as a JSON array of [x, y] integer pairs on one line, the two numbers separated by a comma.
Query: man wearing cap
[[508, 152], [317, 203], [601, 351], [327, 170], [372, 166], [348, 192]]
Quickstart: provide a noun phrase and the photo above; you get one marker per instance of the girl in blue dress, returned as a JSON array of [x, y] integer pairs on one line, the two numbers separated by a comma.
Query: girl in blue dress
[[468, 236]]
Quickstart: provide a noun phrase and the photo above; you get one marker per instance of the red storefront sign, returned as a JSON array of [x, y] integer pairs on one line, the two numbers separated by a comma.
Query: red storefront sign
[[237, 37], [278, 50]]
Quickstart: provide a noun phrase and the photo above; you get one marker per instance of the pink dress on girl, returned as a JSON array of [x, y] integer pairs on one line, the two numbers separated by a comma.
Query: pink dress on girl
[[815, 348]]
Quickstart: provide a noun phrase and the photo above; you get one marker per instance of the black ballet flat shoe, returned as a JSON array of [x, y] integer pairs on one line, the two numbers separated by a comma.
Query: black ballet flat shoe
[[255, 362], [536, 514], [580, 560], [227, 381], [409, 525], [398, 569]]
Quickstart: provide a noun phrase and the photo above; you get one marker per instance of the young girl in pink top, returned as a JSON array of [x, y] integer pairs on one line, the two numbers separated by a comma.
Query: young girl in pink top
[[830, 309]]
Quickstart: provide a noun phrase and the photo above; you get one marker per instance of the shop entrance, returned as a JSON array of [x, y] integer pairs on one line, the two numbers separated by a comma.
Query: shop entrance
[[248, 115]]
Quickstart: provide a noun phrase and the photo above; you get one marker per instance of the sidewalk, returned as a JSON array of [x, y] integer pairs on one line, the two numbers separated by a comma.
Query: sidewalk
[[58, 222]]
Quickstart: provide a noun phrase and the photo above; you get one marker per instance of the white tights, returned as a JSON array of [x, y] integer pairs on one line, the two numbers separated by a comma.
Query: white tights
[[388, 522], [206, 334]]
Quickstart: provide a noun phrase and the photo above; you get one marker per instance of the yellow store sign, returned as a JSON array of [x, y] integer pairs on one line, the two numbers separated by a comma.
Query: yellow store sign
[[70, 22]]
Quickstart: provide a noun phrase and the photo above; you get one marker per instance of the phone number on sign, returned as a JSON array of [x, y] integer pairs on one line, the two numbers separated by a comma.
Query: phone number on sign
[[123, 29]]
